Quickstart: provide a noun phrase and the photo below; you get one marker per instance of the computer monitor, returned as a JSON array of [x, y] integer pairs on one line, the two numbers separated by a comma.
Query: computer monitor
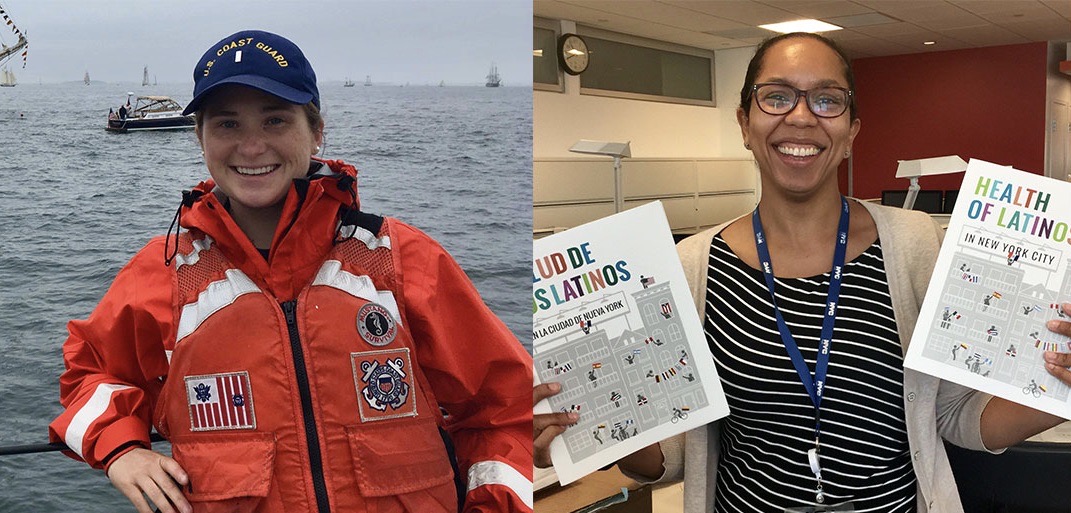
[[1022, 479], [926, 201], [950, 201]]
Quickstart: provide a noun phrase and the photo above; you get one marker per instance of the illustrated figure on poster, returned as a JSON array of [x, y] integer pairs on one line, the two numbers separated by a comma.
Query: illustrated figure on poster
[[985, 302], [641, 399], [1034, 388], [619, 433], [571, 408], [646, 281], [679, 414], [1010, 351], [1012, 257], [991, 332], [974, 363], [955, 349], [586, 326], [947, 317]]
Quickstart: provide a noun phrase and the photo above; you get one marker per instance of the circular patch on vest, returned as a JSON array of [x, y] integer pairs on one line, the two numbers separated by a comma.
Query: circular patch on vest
[[376, 325]]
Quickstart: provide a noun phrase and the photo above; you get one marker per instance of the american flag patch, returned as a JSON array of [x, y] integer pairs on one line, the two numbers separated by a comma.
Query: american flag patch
[[220, 401]]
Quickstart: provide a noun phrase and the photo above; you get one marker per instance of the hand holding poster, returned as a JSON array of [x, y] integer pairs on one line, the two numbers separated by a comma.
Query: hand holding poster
[[614, 323], [1002, 273]]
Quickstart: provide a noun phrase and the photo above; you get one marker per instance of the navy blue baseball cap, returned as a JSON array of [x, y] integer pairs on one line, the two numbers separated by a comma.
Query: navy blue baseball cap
[[258, 59]]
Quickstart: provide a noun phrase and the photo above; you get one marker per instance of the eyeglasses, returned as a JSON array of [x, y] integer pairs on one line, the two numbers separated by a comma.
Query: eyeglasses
[[778, 99]]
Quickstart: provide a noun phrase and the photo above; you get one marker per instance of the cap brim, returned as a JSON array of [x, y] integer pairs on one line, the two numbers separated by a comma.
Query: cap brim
[[256, 82]]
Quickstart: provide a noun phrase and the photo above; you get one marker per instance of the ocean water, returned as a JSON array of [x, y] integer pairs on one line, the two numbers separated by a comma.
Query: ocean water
[[77, 202]]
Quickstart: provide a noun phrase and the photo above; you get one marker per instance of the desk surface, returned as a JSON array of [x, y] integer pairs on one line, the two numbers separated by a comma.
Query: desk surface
[[590, 488], [1058, 434]]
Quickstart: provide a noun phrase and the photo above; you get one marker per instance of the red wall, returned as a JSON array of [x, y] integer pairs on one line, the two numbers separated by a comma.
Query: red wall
[[984, 103]]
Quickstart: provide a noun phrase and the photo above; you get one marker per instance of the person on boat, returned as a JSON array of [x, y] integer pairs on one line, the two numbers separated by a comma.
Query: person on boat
[[123, 109], [879, 444], [299, 354]]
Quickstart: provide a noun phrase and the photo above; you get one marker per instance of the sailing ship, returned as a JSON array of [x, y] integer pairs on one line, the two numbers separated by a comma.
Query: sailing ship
[[86, 78], [348, 83], [7, 77], [368, 80], [145, 77], [493, 80]]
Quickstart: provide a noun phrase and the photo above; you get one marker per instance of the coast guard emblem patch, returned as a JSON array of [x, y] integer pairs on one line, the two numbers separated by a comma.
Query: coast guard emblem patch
[[220, 401], [384, 381], [376, 325]]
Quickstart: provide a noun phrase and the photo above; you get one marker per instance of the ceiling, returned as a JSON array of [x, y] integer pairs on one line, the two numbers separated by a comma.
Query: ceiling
[[871, 27]]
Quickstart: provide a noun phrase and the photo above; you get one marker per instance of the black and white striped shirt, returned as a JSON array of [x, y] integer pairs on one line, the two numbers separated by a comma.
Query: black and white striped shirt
[[764, 442]]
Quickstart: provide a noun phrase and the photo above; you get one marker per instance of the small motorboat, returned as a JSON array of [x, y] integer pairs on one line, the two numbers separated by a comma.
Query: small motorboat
[[148, 113]]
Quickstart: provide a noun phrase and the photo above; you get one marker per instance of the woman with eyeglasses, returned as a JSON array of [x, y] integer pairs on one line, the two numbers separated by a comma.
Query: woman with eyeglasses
[[870, 439]]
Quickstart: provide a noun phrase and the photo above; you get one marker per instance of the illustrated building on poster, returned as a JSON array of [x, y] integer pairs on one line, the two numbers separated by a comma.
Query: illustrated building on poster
[[625, 368], [988, 322]]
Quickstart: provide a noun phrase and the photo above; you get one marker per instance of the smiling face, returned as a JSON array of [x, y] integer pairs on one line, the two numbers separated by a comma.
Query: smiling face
[[255, 145], [798, 153]]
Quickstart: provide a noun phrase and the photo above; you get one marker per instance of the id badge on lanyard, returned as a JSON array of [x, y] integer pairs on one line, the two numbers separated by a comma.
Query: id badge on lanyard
[[814, 384], [845, 507]]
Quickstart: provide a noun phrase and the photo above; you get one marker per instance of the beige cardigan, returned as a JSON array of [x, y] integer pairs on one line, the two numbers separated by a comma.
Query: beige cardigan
[[934, 409]]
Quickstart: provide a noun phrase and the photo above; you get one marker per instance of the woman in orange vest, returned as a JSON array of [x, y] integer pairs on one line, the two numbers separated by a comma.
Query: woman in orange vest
[[298, 353]]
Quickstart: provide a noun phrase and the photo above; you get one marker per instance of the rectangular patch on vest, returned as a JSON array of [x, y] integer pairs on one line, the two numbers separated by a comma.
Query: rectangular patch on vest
[[220, 401], [384, 381]]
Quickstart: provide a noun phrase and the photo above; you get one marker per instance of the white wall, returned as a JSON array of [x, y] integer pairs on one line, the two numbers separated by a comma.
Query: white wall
[[655, 129], [1058, 111]]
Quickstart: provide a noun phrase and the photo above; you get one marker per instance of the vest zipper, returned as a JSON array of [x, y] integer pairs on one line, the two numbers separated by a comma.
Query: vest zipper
[[311, 436]]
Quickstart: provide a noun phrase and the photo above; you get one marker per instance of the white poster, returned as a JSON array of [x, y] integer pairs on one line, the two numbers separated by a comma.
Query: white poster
[[614, 323], [1000, 275]]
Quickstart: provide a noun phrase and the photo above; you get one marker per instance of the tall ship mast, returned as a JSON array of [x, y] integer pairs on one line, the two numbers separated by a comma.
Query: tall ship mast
[[7, 78], [7, 53], [493, 80]]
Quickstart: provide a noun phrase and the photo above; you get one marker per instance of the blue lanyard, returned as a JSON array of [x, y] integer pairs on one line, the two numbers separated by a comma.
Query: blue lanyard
[[815, 384]]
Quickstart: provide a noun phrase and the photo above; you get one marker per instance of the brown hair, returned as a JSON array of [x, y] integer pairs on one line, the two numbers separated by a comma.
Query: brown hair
[[756, 63]]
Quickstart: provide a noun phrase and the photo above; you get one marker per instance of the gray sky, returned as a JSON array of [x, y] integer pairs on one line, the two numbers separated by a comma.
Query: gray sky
[[396, 41]]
